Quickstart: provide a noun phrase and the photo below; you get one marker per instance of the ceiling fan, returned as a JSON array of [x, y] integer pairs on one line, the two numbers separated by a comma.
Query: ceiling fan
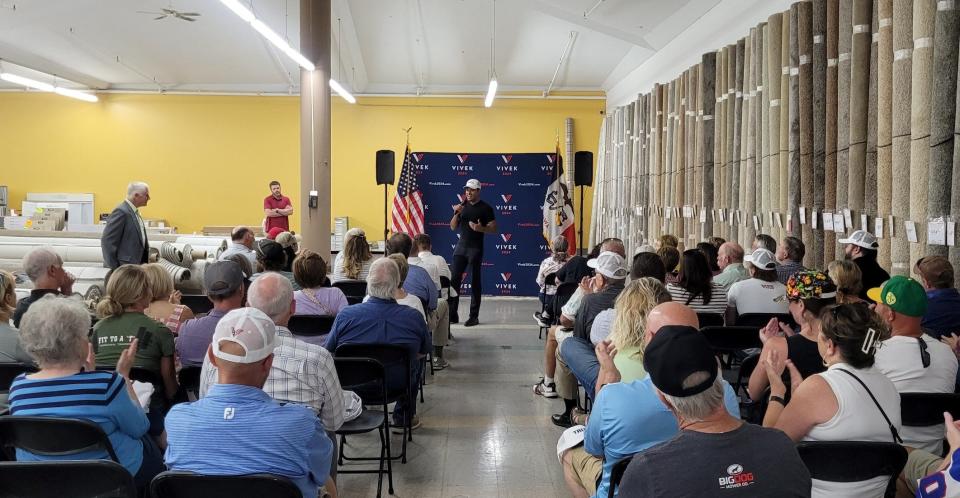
[[171, 12]]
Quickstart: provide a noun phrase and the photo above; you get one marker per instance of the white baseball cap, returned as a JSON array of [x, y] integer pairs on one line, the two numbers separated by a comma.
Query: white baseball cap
[[863, 239], [610, 265], [473, 183], [762, 258], [252, 329]]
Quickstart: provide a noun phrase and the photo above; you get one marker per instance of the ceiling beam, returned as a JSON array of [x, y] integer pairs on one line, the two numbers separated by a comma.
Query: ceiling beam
[[350, 54], [545, 7], [20, 57]]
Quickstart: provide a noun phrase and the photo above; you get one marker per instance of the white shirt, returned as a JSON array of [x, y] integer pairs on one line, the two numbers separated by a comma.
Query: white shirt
[[442, 268], [431, 268], [242, 250], [136, 212], [757, 296], [899, 359], [602, 325]]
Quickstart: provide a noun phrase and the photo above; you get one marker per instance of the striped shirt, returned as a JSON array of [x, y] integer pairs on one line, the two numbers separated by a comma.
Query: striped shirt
[[339, 272], [238, 430], [302, 373], [99, 397], [787, 268], [718, 298]]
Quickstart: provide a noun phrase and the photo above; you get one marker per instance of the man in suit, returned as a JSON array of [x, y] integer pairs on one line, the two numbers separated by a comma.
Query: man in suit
[[124, 239]]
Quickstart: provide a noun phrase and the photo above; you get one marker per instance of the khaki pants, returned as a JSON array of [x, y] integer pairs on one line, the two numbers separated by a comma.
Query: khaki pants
[[438, 322], [586, 467], [567, 387]]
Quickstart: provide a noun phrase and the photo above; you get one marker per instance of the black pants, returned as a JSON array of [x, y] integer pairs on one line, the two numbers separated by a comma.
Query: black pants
[[472, 258]]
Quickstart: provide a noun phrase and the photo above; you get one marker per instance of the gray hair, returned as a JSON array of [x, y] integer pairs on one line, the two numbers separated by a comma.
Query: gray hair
[[699, 406], [136, 187], [272, 294], [54, 330], [383, 279], [38, 261]]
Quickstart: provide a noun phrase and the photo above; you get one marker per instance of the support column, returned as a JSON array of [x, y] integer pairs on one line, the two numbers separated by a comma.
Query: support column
[[315, 126]]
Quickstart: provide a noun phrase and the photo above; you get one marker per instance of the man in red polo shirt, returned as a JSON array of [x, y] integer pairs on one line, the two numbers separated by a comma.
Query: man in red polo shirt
[[276, 208]]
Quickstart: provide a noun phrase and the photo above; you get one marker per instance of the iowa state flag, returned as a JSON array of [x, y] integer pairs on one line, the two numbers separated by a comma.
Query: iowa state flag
[[558, 208]]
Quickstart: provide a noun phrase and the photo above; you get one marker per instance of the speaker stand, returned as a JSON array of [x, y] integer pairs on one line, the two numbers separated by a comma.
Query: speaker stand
[[385, 230], [580, 226]]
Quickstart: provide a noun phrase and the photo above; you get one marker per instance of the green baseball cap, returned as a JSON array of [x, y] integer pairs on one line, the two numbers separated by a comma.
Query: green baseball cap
[[901, 294]]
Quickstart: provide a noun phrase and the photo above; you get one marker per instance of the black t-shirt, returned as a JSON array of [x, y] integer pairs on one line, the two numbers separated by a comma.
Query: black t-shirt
[[872, 275], [747, 461], [480, 212], [592, 305]]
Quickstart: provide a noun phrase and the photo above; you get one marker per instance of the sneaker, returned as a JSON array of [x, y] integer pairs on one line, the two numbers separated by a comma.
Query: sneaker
[[440, 363], [471, 322], [545, 390], [398, 428], [541, 321]]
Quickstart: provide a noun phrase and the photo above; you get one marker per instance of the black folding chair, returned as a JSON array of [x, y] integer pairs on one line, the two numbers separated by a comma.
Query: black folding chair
[[311, 325], [564, 293], [397, 363], [355, 290], [73, 478], [616, 475], [710, 319], [189, 380], [926, 409], [760, 320], [444, 286], [726, 341], [366, 375], [198, 303], [852, 461], [173, 484], [747, 367], [10, 371], [51, 436]]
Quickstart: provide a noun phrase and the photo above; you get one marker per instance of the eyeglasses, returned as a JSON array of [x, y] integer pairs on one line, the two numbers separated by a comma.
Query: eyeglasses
[[924, 355]]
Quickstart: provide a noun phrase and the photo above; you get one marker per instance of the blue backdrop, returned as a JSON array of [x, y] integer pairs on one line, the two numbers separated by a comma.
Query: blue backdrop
[[514, 185]]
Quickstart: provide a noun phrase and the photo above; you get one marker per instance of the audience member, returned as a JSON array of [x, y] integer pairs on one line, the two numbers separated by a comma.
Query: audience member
[[241, 242], [218, 435], [627, 417], [671, 258], [288, 242], [938, 477], [45, 269], [717, 241], [420, 282], [223, 282], [764, 241], [846, 275], [54, 332], [730, 262], [695, 286], [165, 306], [301, 373], [842, 403], [648, 264], [400, 295], [943, 300], [353, 262], [576, 269], [272, 258], [122, 320], [645, 248], [757, 294], [549, 266], [423, 245], [546, 387], [861, 247], [712, 445], [710, 252], [807, 294], [790, 254], [316, 296], [11, 350], [382, 321], [914, 361], [668, 240]]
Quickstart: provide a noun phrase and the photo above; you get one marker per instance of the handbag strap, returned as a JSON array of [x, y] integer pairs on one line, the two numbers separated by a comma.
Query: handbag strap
[[893, 430]]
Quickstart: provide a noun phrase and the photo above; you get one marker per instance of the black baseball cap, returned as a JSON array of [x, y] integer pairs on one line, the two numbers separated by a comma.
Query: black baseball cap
[[268, 250], [676, 352], [222, 278]]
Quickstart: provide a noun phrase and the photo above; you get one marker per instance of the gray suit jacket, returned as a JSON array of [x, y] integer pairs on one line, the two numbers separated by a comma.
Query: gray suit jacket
[[121, 242]]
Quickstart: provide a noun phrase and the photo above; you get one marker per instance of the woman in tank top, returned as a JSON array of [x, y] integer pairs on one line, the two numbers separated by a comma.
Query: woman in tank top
[[851, 401], [808, 292]]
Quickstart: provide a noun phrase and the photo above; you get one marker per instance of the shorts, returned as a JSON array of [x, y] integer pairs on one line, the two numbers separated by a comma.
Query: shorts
[[587, 468], [920, 464]]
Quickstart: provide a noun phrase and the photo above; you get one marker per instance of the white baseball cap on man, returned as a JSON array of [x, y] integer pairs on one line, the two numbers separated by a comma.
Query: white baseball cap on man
[[252, 329], [761, 258], [473, 183], [862, 238], [610, 265]]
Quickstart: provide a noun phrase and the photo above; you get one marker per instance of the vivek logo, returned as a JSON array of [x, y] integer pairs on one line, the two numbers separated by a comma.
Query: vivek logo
[[462, 158], [506, 170], [417, 157], [506, 249], [506, 236], [506, 158], [506, 276], [551, 158], [506, 287], [506, 207], [506, 197]]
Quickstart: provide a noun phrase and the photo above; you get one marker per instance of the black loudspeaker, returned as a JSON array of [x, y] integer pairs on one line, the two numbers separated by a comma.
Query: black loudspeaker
[[583, 168], [385, 166]]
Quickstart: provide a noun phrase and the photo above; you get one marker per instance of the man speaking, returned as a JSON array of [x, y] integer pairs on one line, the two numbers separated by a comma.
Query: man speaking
[[474, 217], [124, 239]]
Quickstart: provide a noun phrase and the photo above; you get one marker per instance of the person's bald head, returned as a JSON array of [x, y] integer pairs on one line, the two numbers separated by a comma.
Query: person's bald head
[[670, 313], [614, 245], [729, 253]]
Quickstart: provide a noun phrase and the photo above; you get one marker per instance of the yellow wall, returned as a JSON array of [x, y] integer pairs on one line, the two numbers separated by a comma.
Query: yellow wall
[[208, 159]]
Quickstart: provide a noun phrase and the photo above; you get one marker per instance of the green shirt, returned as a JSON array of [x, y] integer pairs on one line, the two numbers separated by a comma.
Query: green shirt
[[733, 273], [630, 366], [112, 335]]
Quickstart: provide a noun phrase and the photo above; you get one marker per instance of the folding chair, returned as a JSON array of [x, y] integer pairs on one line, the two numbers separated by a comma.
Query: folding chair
[[355, 290], [73, 478], [198, 303], [52, 436], [564, 293], [926, 409], [760, 320], [730, 340], [173, 484], [710, 319], [852, 461], [311, 325], [616, 475], [10, 371]]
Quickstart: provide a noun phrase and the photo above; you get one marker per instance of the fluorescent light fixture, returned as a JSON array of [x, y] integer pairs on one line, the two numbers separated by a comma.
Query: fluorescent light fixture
[[47, 87], [491, 92], [341, 91], [271, 35]]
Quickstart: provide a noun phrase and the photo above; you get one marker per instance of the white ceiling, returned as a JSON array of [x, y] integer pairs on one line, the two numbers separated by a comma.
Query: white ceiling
[[389, 46]]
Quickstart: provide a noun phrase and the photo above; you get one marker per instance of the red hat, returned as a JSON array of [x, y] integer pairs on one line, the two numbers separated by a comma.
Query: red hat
[[272, 234]]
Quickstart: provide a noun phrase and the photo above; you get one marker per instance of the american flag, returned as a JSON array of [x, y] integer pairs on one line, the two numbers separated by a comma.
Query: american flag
[[408, 202]]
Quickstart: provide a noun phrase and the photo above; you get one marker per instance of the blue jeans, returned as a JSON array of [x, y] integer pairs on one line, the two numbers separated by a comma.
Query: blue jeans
[[581, 358]]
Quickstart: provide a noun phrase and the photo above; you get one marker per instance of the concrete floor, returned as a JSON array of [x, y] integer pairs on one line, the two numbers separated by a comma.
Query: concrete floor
[[484, 433]]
